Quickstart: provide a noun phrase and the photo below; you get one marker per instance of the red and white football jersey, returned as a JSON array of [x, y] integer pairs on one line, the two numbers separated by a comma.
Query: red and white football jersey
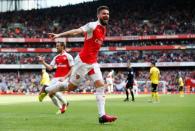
[[94, 36], [63, 63]]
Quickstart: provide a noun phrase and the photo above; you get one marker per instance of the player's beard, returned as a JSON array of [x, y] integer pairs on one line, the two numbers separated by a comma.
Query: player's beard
[[103, 22], [59, 50]]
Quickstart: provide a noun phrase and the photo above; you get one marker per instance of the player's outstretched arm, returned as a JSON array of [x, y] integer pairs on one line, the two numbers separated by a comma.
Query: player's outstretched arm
[[72, 32]]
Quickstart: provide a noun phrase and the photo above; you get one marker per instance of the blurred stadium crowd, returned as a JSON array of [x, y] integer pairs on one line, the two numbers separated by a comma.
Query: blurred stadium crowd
[[149, 18], [189, 42], [106, 57], [29, 82]]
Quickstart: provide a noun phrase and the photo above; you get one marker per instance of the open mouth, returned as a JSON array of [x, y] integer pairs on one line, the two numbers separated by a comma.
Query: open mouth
[[105, 18]]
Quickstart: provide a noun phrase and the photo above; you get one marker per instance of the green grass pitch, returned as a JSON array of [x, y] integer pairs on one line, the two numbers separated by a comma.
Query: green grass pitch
[[25, 113]]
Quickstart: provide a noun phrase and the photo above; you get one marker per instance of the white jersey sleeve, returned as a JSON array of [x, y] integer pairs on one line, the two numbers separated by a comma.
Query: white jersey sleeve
[[70, 59], [87, 27]]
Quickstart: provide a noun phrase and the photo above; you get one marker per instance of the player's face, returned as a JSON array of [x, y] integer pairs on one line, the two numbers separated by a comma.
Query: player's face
[[103, 16], [59, 47]]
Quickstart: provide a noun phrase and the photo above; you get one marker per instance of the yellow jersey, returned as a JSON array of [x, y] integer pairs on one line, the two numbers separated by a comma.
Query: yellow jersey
[[45, 80], [154, 75], [181, 82]]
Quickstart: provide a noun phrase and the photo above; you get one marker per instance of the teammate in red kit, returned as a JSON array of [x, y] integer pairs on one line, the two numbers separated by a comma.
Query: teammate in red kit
[[86, 61], [63, 62]]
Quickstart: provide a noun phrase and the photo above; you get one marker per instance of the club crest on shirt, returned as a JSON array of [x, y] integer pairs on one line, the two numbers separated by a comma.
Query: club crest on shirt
[[100, 42]]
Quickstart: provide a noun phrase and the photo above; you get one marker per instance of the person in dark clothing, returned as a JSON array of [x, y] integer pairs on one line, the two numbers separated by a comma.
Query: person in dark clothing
[[129, 85]]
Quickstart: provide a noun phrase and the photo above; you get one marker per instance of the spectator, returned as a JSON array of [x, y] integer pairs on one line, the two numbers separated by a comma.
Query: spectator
[[130, 18]]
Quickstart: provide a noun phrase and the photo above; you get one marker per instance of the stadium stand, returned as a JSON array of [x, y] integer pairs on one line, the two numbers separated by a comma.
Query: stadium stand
[[151, 18], [106, 57], [140, 34]]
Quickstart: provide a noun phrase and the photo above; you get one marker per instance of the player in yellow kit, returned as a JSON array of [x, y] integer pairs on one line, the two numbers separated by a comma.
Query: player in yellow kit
[[45, 80], [181, 85], [154, 78]]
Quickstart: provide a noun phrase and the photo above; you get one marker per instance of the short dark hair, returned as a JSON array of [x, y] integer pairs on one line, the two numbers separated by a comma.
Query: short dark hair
[[62, 44], [103, 7], [153, 63]]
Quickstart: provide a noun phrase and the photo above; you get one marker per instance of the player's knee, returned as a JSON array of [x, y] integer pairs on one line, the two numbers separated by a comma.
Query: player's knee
[[71, 87], [99, 83], [51, 94]]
